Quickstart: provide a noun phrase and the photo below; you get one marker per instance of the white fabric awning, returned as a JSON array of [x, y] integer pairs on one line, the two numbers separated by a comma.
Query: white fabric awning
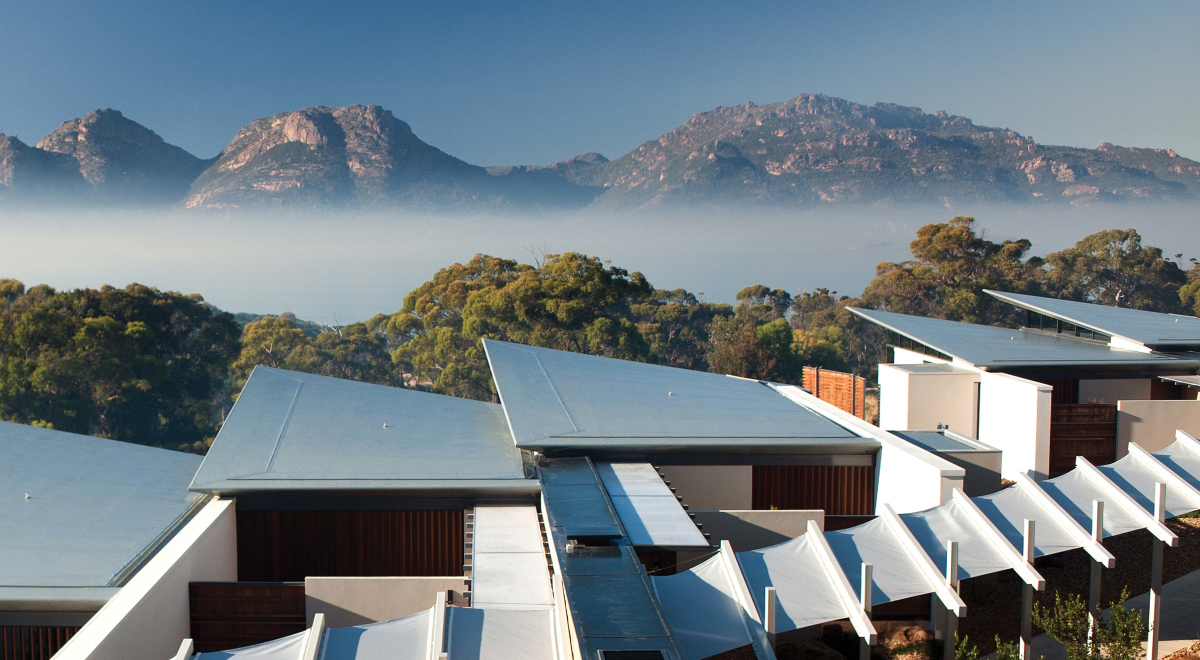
[[285, 648], [702, 608], [805, 591], [401, 638]]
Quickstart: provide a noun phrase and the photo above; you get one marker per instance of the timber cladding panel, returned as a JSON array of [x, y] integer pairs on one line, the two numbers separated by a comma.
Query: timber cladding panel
[[33, 642], [846, 391], [288, 546], [1086, 429], [842, 490], [228, 615]]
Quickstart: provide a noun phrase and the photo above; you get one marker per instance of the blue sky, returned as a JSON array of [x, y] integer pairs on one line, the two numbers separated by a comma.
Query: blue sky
[[514, 82]]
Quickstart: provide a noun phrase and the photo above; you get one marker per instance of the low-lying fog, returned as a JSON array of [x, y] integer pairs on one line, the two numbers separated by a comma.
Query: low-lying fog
[[345, 267]]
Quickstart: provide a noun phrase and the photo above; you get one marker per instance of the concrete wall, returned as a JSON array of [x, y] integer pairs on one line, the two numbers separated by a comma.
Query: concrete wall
[[1152, 424], [149, 617], [1113, 390], [751, 530], [924, 400], [712, 487], [353, 601], [1014, 417]]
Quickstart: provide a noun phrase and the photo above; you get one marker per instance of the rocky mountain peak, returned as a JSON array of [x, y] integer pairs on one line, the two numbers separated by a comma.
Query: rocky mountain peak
[[354, 154], [122, 159]]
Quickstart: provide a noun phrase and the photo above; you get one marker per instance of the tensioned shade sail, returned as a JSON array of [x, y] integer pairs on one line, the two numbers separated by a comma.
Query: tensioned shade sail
[[895, 574], [400, 638], [285, 648], [701, 608], [806, 594]]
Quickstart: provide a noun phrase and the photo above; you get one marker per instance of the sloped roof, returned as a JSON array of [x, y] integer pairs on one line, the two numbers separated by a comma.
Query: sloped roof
[[80, 513], [293, 432], [562, 400], [988, 346], [1151, 329]]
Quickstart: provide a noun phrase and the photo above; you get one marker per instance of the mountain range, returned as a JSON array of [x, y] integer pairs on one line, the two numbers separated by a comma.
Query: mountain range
[[809, 150]]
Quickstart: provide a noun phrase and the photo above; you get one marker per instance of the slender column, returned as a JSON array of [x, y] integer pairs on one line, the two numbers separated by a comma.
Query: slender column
[[312, 641], [769, 615], [1094, 587], [865, 590], [1156, 566], [1027, 597], [952, 581]]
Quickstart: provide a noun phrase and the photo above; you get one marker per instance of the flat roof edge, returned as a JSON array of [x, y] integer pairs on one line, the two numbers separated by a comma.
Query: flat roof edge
[[229, 488]]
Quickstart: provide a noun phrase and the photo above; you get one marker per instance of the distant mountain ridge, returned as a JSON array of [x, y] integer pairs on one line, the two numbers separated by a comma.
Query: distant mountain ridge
[[809, 150]]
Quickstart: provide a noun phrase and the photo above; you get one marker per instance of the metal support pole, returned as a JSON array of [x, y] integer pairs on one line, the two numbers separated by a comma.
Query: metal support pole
[[865, 591], [769, 615], [1094, 587], [951, 617], [1027, 597], [1156, 566]]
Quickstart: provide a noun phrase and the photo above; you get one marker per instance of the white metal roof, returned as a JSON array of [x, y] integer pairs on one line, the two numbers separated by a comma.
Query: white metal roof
[[79, 513], [990, 347], [292, 431], [1151, 329], [558, 399], [649, 511]]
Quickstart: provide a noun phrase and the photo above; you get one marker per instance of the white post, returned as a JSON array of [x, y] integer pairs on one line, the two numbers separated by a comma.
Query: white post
[[1094, 587], [769, 615], [186, 650], [1027, 597], [1156, 566], [312, 641], [866, 593], [952, 581]]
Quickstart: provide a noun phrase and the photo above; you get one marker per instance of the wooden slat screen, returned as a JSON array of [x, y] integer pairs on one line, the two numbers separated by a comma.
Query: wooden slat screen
[[229, 615], [839, 490], [846, 391], [288, 546], [33, 642], [1086, 429]]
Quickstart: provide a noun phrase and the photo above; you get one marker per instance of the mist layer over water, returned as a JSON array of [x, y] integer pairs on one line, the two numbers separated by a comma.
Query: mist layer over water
[[345, 267]]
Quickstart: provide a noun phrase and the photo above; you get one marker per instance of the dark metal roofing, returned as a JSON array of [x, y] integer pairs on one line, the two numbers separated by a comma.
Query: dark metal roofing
[[1151, 329], [987, 346], [300, 432], [612, 602], [562, 400], [79, 514]]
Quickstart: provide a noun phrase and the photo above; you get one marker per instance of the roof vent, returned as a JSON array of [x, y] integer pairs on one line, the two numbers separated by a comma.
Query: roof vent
[[632, 655]]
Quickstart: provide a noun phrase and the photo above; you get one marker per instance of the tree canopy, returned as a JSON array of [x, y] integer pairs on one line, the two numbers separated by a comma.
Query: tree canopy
[[133, 364], [162, 368]]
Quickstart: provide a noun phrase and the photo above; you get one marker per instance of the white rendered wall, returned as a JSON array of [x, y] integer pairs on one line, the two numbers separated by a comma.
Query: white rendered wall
[[894, 397], [1113, 390], [712, 487], [1152, 424], [906, 476], [924, 400], [149, 616], [905, 356], [1014, 417], [353, 601]]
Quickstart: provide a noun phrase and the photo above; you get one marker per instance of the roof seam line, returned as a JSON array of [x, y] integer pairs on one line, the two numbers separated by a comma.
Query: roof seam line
[[283, 429], [555, 390]]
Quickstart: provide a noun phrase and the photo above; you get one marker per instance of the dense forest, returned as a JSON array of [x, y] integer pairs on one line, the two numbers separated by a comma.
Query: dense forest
[[162, 368]]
